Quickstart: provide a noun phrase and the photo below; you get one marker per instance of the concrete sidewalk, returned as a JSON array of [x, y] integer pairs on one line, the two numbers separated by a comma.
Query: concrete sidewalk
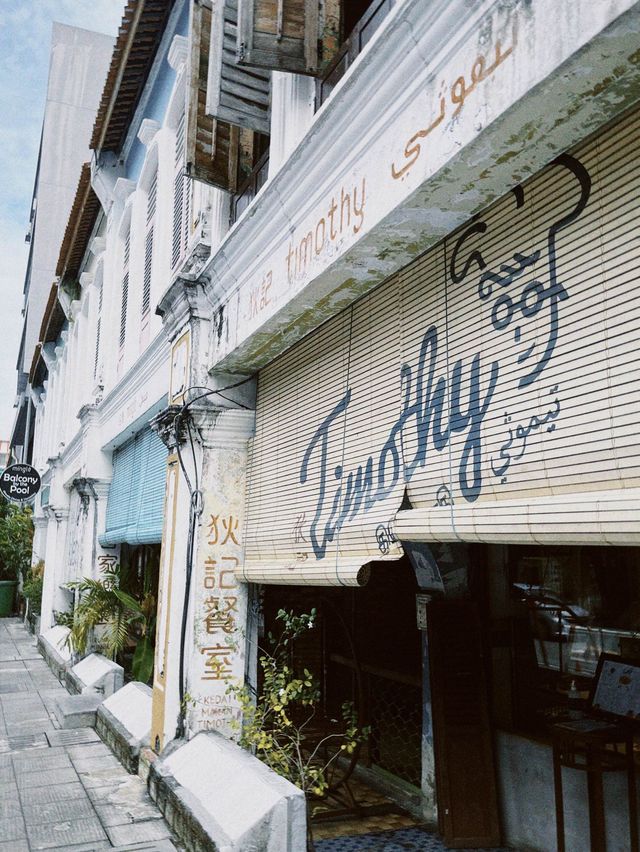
[[61, 789]]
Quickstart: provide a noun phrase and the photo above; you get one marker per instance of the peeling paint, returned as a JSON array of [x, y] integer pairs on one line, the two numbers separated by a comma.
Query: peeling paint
[[509, 149]]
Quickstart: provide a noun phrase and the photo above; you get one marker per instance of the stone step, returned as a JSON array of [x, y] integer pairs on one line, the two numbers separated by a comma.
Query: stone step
[[77, 711]]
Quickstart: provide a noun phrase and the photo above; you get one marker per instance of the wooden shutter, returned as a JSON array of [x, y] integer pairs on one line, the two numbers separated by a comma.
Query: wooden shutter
[[465, 772], [288, 35], [211, 153], [236, 95]]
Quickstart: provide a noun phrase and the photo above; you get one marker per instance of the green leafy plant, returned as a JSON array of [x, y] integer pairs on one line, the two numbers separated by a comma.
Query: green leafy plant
[[127, 621], [32, 588], [64, 619], [16, 537], [278, 723]]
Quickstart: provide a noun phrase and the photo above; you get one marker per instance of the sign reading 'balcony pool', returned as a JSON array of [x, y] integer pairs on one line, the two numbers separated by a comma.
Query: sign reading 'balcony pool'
[[20, 482]]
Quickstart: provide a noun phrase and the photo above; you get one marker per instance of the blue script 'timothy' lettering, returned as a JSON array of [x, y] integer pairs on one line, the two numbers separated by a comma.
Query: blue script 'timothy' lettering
[[341, 497]]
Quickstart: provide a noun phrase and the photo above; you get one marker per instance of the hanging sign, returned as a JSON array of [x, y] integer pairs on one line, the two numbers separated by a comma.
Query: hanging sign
[[20, 482]]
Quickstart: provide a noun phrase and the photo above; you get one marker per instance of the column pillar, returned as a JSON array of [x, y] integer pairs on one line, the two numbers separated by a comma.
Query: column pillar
[[216, 622], [171, 588], [214, 652], [219, 602], [52, 596], [40, 525]]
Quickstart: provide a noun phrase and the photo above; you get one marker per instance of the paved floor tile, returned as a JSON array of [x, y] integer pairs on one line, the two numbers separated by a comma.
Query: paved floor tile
[[125, 814], [48, 777], [10, 807], [87, 751], [53, 835], [23, 742], [110, 794], [16, 686], [44, 795], [103, 777], [103, 763], [12, 828], [72, 737], [43, 804], [38, 813], [120, 835], [8, 789], [39, 762]]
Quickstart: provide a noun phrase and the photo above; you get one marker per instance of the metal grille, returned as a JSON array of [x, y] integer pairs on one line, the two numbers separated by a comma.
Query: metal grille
[[396, 726]]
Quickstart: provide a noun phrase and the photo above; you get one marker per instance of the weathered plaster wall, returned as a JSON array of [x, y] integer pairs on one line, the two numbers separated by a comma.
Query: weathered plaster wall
[[525, 776], [440, 133]]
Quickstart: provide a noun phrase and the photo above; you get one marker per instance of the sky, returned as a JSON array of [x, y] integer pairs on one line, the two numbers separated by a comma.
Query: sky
[[25, 38]]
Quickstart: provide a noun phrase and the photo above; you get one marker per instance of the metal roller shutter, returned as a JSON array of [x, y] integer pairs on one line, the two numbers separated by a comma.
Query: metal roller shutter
[[495, 379]]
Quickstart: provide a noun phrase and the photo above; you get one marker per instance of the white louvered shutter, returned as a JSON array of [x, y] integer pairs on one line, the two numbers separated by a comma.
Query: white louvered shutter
[[124, 296], [96, 360], [148, 243], [501, 423], [181, 193]]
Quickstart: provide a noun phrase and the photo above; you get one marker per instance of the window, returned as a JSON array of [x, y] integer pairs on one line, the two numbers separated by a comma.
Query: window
[[96, 359], [124, 300], [181, 187], [148, 244], [253, 170], [360, 21], [567, 606]]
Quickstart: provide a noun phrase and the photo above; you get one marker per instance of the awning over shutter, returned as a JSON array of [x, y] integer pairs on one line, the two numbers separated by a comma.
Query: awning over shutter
[[212, 145], [234, 94], [495, 380], [301, 36], [135, 507], [604, 517]]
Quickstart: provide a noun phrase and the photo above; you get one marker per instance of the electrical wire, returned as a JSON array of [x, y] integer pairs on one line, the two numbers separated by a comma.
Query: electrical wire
[[195, 511]]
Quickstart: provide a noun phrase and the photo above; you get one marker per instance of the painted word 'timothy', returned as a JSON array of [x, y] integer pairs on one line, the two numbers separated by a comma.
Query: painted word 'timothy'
[[345, 214]]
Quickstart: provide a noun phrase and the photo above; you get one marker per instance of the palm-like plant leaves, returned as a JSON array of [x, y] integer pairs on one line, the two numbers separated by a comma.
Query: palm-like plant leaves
[[102, 602]]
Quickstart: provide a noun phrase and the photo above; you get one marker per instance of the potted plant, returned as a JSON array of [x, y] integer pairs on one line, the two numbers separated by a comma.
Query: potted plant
[[16, 535]]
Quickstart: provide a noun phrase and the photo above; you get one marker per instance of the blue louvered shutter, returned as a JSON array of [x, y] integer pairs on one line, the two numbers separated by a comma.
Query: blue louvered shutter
[[151, 501], [120, 494], [135, 507]]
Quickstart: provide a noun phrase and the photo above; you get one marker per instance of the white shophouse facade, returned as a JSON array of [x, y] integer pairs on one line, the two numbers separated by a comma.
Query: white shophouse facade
[[436, 170], [461, 174]]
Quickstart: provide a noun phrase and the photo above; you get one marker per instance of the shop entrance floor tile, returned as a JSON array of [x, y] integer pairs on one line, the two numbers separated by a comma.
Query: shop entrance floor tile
[[402, 840]]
